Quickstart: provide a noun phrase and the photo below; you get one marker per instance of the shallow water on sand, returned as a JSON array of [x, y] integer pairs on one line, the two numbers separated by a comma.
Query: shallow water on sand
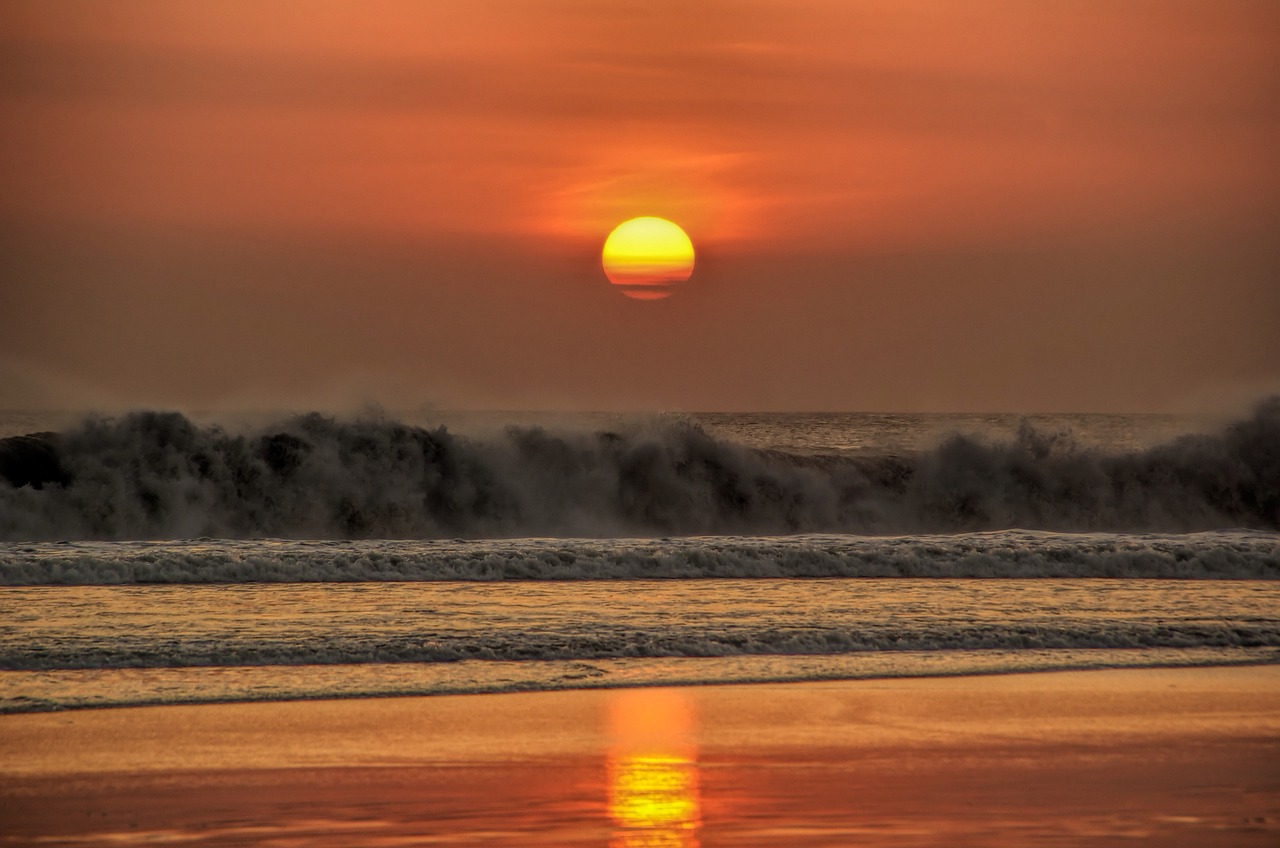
[[69, 646], [1182, 758]]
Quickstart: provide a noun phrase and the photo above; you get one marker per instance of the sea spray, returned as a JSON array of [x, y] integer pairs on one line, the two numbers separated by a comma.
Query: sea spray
[[154, 475]]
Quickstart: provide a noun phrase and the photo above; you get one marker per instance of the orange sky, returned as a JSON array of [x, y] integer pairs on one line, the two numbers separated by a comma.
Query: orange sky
[[897, 205]]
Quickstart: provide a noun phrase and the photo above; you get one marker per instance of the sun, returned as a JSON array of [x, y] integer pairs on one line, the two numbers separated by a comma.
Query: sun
[[646, 258]]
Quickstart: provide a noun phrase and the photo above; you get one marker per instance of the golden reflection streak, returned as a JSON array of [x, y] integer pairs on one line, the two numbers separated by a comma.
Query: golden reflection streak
[[653, 770]]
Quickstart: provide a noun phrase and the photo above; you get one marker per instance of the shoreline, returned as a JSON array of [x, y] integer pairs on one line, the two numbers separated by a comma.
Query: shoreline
[[906, 665], [1185, 755]]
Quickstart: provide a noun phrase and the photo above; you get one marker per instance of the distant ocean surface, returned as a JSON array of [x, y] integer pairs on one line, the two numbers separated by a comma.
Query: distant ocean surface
[[160, 558]]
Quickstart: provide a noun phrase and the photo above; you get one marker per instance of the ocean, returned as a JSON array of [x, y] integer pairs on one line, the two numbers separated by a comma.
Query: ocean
[[164, 558]]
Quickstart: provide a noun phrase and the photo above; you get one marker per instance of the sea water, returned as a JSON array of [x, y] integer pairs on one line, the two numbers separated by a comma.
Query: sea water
[[173, 561]]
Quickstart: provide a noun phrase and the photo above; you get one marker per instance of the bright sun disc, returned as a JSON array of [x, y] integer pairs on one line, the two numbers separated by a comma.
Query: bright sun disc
[[647, 257]]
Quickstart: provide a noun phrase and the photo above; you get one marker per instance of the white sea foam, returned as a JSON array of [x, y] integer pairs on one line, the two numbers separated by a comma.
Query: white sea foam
[[1240, 554]]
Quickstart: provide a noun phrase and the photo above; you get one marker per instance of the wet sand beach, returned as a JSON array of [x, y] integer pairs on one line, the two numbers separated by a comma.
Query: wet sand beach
[[1172, 757]]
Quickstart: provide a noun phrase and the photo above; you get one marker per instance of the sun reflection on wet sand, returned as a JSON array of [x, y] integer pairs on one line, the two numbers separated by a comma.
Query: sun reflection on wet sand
[[653, 770]]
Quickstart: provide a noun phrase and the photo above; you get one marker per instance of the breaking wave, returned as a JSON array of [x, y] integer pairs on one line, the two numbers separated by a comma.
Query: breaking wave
[[1239, 555], [155, 475], [343, 648]]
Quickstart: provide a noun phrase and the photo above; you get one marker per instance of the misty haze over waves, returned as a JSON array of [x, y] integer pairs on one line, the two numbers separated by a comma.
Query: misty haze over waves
[[159, 476]]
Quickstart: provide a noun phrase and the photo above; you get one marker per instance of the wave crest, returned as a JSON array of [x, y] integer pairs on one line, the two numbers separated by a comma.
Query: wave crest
[[159, 475]]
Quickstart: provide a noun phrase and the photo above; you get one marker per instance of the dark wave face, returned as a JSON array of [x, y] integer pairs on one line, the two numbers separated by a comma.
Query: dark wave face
[[158, 475]]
